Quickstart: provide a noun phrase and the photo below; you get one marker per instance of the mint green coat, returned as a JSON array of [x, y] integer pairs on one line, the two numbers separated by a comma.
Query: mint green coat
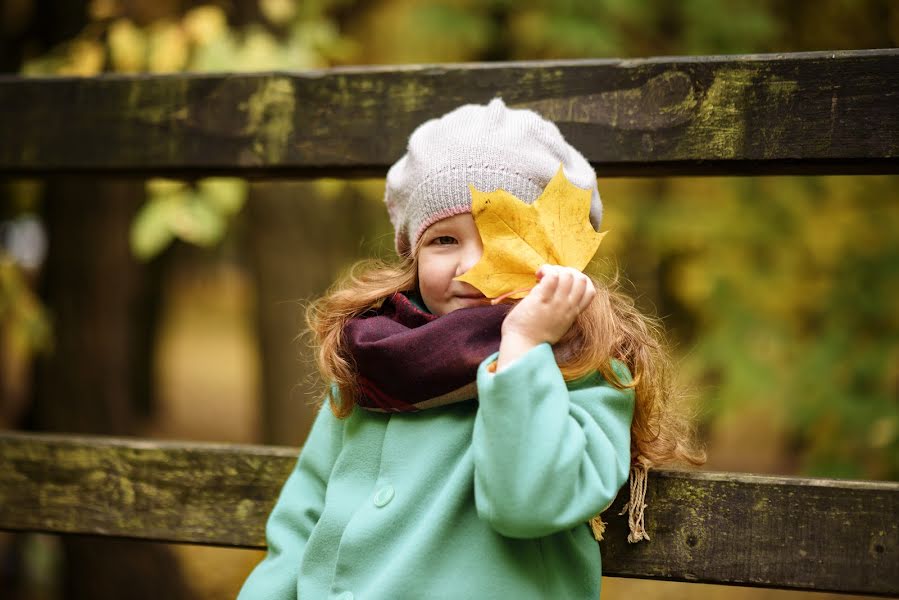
[[486, 499]]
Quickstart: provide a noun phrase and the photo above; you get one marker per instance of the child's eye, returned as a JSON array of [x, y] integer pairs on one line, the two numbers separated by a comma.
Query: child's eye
[[444, 239]]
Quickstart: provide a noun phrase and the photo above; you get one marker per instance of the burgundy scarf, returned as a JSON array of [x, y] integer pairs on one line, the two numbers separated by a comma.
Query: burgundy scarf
[[407, 359]]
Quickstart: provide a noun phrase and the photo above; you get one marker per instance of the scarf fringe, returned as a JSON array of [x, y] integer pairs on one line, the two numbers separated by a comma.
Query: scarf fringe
[[598, 527], [635, 506]]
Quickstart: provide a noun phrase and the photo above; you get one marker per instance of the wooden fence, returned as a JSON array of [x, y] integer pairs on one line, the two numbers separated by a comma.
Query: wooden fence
[[806, 113]]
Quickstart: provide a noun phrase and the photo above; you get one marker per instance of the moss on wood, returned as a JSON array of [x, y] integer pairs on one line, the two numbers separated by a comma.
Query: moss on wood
[[796, 533]]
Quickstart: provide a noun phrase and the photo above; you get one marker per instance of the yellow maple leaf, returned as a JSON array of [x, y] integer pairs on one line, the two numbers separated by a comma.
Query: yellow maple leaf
[[518, 237]]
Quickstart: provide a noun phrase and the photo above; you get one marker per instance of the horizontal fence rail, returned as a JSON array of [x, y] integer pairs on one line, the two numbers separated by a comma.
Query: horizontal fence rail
[[802, 113], [812, 534]]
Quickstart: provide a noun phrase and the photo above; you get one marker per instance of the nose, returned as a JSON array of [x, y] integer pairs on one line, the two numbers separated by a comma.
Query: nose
[[471, 254]]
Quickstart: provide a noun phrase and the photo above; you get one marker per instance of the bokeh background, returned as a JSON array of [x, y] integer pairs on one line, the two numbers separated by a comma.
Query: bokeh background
[[173, 309]]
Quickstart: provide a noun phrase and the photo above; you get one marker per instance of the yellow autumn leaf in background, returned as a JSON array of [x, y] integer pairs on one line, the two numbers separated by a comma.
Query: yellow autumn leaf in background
[[518, 237]]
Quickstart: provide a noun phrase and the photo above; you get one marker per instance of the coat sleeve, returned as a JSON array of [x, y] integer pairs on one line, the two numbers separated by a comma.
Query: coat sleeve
[[548, 458], [296, 512]]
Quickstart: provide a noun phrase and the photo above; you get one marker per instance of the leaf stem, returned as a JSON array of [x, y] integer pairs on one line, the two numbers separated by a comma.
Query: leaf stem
[[499, 299]]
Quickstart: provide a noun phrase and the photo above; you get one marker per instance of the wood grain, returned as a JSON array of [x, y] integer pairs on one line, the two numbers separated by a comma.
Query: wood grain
[[814, 112], [811, 534]]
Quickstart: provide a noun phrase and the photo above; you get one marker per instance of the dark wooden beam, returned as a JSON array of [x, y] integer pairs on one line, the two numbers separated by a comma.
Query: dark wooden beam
[[762, 531], [815, 112], [811, 534]]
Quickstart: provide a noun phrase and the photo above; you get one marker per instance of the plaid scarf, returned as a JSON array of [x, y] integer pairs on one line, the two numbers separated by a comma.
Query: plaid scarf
[[408, 360]]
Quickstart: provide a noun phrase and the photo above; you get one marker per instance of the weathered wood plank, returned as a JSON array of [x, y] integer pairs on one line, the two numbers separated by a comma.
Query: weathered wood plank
[[205, 493], [817, 112], [743, 529], [711, 527]]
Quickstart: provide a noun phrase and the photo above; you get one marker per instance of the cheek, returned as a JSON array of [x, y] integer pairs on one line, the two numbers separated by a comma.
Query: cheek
[[434, 275], [428, 275]]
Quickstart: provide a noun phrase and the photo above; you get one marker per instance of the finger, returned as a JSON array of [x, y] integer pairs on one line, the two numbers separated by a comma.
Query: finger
[[589, 295], [578, 287], [566, 281], [546, 269], [548, 284]]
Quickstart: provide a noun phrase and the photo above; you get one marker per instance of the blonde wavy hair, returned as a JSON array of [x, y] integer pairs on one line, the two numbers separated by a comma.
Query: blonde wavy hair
[[610, 328]]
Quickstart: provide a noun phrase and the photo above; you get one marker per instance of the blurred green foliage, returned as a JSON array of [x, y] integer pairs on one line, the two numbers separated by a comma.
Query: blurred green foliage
[[26, 328], [199, 40], [781, 291], [24, 323], [197, 214]]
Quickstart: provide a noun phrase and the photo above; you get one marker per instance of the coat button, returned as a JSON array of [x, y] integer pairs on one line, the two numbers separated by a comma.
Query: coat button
[[384, 495]]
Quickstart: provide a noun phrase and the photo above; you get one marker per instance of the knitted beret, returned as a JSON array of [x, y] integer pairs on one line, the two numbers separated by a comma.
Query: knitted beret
[[491, 147]]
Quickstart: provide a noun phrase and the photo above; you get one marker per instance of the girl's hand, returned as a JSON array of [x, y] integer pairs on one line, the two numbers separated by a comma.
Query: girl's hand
[[546, 313]]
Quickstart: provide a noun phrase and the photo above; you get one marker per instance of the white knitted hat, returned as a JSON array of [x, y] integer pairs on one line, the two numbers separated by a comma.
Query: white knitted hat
[[490, 147]]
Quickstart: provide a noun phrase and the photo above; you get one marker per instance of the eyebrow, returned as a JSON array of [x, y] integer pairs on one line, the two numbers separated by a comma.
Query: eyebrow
[[439, 229]]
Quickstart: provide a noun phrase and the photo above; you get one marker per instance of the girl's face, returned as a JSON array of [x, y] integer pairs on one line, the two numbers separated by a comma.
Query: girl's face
[[449, 247]]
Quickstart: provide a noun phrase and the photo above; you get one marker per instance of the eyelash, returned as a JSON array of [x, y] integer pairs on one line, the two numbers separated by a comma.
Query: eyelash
[[437, 239]]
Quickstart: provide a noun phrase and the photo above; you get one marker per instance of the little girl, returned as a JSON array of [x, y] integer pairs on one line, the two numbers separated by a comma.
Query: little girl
[[466, 446]]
